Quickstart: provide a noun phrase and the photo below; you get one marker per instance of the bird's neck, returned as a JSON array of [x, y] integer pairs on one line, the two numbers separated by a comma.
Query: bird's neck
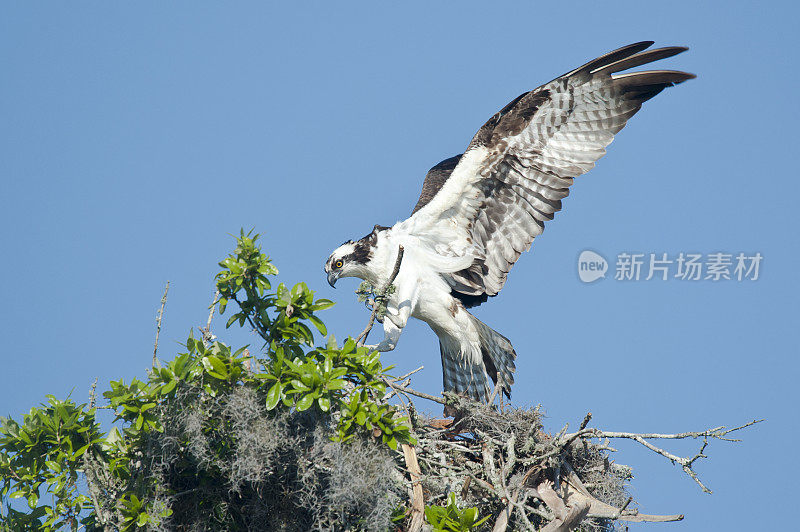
[[378, 270]]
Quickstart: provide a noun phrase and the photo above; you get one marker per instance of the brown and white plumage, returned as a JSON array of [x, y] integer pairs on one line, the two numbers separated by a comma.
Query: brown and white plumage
[[480, 210], [521, 163]]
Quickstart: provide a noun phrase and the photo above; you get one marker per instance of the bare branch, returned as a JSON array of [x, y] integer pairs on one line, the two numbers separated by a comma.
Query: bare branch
[[93, 394], [585, 421], [421, 395], [158, 325], [407, 375], [208, 337], [686, 463], [417, 501], [497, 387]]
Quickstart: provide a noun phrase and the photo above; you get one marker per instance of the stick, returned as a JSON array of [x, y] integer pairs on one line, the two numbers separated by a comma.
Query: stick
[[93, 394], [381, 296], [422, 395], [417, 501], [567, 516], [497, 387], [207, 336], [686, 463], [407, 375], [158, 325]]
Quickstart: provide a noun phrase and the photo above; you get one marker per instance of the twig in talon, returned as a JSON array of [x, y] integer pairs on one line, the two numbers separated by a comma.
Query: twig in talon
[[379, 297]]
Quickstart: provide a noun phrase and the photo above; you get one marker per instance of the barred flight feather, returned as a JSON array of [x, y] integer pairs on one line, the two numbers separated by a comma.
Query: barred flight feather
[[535, 146]]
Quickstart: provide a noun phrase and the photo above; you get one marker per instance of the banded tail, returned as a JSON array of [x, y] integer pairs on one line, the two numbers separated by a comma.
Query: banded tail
[[465, 373]]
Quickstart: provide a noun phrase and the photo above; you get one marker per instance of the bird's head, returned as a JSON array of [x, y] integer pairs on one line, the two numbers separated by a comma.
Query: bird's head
[[351, 259], [341, 263]]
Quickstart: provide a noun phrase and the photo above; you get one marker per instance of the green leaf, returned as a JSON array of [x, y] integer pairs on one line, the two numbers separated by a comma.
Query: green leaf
[[297, 290], [318, 324], [479, 523], [81, 450], [324, 403], [338, 372], [168, 387], [215, 367], [468, 516], [335, 384], [332, 344], [300, 386], [305, 402], [305, 332], [274, 395], [322, 304]]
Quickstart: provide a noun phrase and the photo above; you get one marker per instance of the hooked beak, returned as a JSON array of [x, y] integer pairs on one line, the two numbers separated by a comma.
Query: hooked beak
[[332, 278]]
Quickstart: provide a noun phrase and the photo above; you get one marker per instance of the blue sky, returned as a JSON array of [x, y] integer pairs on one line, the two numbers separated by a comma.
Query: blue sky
[[134, 140]]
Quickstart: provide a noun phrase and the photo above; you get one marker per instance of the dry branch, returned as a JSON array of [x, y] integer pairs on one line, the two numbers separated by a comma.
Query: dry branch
[[686, 463], [208, 336], [417, 501], [158, 324]]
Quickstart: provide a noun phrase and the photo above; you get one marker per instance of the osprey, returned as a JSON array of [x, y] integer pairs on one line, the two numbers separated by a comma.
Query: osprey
[[480, 210]]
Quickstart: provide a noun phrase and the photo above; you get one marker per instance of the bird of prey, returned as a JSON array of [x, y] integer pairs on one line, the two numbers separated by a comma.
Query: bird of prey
[[480, 210]]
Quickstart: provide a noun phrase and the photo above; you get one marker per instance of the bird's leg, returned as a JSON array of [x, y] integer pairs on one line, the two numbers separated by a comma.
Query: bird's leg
[[391, 336], [398, 312]]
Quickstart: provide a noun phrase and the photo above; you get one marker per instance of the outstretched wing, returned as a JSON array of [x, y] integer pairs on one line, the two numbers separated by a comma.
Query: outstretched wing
[[493, 200]]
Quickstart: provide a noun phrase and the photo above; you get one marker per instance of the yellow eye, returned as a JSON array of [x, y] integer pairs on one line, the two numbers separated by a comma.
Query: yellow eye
[[338, 264]]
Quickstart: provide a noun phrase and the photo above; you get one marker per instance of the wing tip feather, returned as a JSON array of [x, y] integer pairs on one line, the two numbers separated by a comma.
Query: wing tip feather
[[653, 77], [640, 58], [611, 57]]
